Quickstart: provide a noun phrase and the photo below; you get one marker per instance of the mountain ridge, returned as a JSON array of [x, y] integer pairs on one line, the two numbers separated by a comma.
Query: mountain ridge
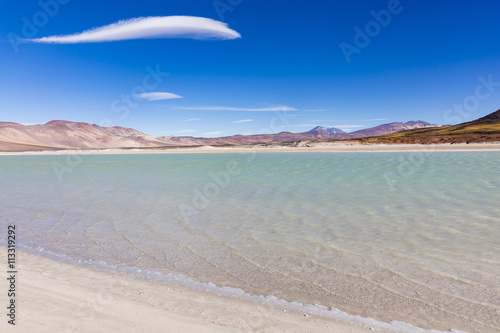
[[327, 130], [64, 134], [484, 129]]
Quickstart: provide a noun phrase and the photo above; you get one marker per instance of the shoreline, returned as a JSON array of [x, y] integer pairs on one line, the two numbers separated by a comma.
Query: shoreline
[[62, 297], [84, 283], [333, 147]]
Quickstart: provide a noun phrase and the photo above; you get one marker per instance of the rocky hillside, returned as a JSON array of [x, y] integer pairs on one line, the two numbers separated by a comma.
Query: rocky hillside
[[61, 134], [485, 129], [390, 128], [327, 130]]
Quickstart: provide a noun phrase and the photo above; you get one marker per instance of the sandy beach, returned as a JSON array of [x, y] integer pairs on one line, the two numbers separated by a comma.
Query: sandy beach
[[313, 147], [59, 297]]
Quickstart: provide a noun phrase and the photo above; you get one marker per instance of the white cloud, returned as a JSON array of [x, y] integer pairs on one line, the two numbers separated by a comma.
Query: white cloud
[[303, 125], [242, 121], [180, 132], [338, 120], [157, 96], [192, 119], [148, 28], [226, 108], [349, 128], [213, 133]]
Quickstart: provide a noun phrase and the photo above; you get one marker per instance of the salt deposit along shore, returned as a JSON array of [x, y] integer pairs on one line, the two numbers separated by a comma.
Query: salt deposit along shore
[[313, 147], [60, 297], [55, 296]]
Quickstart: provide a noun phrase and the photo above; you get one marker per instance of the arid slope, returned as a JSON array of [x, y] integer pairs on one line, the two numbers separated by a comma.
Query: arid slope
[[485, 129]]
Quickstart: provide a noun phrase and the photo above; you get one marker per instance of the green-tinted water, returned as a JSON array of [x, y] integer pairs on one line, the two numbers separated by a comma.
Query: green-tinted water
[[395, 236]]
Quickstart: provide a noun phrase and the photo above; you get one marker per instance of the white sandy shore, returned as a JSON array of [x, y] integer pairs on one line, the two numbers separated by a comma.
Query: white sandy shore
[[59, 297], [315, 147]]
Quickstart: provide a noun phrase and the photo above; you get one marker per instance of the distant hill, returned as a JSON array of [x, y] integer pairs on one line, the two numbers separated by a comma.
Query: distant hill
[[327, 130], [391, 128], [62, 134], [485, 129], [491, 119]]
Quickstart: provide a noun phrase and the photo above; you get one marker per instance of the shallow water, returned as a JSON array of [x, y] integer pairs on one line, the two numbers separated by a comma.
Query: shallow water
[[403, 236]]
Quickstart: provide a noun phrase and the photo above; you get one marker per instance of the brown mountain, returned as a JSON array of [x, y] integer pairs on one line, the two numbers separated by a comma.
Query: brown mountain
[[485, 129], [327, 130], [390, 128], [60, 134], [492, 118]]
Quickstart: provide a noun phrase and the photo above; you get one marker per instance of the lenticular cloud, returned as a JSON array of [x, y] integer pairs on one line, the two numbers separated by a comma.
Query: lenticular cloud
[[149, 28], [157, 96]]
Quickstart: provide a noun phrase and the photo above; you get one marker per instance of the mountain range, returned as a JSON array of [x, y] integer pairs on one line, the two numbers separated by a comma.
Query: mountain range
[[328, 130], [61, 134], [485, 129]]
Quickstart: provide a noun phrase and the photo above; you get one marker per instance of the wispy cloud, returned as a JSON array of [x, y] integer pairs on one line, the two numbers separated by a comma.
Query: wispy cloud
[[148, 28], [213, 133], [304, 125], [226, 108], [157, 96], [242, 121], [338, 120], [181, 132], [192, 119]]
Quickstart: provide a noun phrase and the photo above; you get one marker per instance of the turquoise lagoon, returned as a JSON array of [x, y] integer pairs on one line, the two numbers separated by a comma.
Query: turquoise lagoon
[[409, 239]]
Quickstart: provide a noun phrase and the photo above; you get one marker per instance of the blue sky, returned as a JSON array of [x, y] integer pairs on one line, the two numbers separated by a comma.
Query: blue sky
[[277, 65]]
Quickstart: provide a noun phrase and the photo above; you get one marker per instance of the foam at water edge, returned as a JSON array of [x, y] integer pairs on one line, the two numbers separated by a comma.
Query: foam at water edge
[[313, 309]]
